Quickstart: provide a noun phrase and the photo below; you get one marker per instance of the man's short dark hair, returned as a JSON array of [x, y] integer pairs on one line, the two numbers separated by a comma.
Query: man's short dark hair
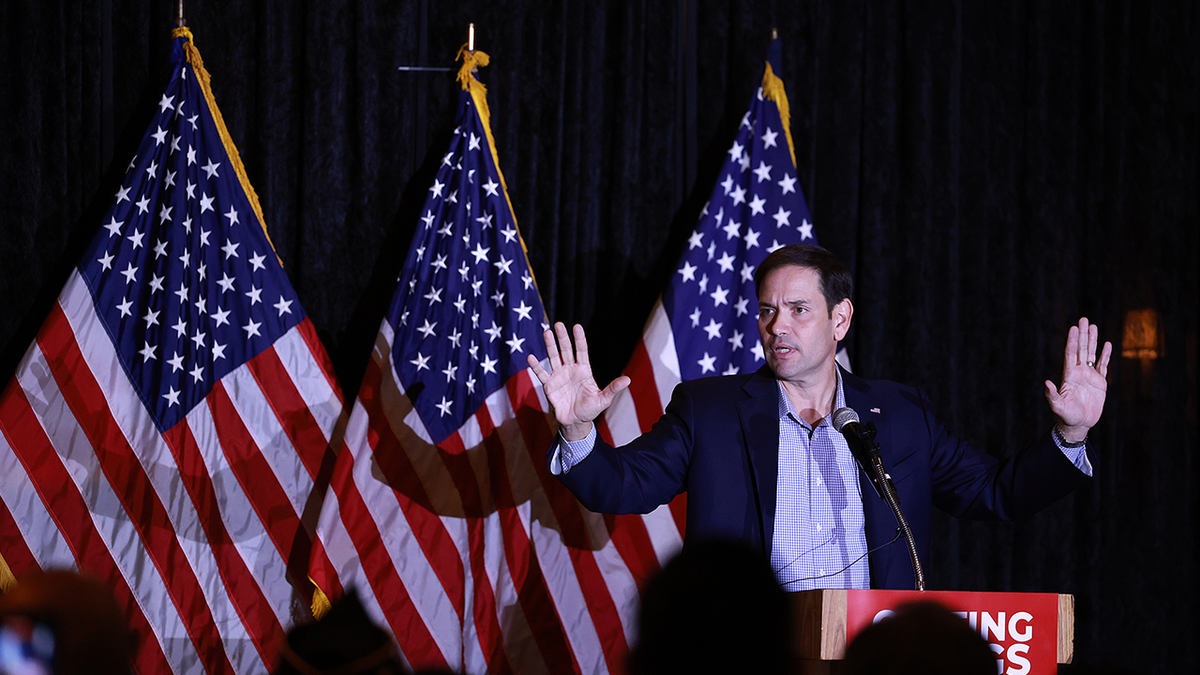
[[836, 282]]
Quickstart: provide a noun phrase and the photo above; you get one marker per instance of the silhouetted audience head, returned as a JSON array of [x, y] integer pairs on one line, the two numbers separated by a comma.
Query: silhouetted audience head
[[73, 617], [920, 638], [715, 608], [342, 642]]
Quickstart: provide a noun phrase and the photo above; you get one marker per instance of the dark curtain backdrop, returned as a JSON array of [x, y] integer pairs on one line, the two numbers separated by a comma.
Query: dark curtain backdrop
[[989, 171]]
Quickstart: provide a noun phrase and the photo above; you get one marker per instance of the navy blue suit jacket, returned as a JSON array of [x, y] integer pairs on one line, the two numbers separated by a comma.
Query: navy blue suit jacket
[[719, 442]]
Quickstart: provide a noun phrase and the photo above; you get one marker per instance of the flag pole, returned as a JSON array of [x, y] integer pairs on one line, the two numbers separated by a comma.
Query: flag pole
[[179, 20], [774, 31], [470, 36]]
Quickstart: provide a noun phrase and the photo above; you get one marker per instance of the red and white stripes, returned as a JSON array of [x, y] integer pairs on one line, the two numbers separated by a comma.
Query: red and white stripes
[[472, 554], [654, 371], [200, 530]]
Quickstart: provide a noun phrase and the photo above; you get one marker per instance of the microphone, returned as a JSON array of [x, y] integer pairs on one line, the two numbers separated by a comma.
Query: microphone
[[861, 439]]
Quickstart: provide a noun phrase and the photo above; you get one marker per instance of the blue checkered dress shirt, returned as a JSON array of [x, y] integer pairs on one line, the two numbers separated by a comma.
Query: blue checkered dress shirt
[[820, 539]]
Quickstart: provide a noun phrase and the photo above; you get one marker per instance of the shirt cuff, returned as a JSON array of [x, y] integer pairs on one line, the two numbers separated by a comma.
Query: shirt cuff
[[1077, 454], [567, 454]]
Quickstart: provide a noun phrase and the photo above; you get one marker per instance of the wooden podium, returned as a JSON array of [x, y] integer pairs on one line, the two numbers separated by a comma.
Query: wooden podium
[[1031, 633]]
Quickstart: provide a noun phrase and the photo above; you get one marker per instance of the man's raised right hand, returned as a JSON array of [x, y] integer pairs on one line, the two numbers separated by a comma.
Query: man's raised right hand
[[575, 399]]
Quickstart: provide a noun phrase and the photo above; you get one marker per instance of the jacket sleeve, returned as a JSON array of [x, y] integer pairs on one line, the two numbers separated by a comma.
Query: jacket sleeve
[[968, 483], [643, 474]]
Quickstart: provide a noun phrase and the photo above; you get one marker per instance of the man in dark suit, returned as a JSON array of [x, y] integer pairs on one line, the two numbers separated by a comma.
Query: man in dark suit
[[761, 462]]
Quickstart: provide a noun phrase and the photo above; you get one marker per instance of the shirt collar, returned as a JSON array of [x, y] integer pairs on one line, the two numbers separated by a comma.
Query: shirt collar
[[786, 409]]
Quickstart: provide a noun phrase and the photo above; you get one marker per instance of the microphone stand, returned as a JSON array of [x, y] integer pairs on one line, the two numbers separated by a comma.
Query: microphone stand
[[887, 490]]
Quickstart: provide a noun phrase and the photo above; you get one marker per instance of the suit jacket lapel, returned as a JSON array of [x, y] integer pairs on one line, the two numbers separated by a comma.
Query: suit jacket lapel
[[759, 417], [879, 522], [891, 567]]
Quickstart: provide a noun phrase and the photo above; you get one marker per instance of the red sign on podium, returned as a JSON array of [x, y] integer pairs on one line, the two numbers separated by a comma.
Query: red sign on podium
[[1021, 628]]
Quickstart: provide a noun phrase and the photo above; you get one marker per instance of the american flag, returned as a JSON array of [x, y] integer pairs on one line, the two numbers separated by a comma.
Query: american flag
[[441, 511], [169, 425], [706, 322]]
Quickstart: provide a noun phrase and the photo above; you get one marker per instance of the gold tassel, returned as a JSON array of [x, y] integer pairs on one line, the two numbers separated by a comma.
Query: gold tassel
[[202, 76], [320, 602], [473, 60], [7, 580], [773, 89]]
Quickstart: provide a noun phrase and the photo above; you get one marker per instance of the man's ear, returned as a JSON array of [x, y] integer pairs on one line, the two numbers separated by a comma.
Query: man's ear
[[842, 313]]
